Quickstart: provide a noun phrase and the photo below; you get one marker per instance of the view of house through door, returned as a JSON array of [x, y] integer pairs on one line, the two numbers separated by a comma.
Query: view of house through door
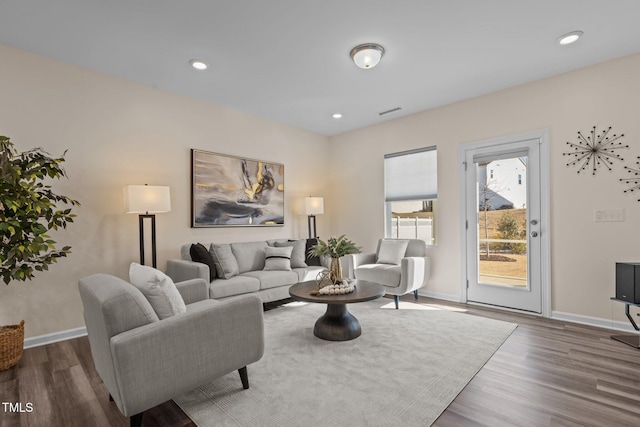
[[503, 225]]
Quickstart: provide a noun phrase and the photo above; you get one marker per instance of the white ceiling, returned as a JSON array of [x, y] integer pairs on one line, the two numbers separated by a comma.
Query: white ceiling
[[288, 60]]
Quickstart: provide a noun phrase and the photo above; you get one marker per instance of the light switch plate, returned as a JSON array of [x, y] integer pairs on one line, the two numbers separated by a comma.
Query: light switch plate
[[608, 215]]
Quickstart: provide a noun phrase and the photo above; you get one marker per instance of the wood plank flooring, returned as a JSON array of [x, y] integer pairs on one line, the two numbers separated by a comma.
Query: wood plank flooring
[[548, 373]]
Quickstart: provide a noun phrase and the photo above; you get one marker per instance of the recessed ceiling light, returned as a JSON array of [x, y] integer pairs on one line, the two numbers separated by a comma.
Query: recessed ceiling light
[[569, 38], [198, 65], [337, 116], [367, 55]]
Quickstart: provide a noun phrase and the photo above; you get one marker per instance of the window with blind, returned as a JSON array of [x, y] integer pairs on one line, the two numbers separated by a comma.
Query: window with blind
[[411, 194]]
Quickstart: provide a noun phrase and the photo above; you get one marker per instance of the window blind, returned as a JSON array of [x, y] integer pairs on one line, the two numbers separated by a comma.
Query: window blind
[[411, 175]]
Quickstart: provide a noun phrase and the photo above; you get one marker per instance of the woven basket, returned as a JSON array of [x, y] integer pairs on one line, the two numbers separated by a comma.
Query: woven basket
[[11, 345]]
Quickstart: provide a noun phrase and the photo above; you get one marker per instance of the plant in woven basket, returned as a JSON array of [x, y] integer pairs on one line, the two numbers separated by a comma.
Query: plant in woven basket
[[11, 345], [28, 210]]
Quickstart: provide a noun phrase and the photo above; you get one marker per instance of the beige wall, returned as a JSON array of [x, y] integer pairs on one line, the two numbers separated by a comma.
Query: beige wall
[[583, 253], [118, 133]]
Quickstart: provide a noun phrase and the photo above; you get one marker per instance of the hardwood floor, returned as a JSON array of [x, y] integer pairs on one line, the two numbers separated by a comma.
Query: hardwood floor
[[548, 373]]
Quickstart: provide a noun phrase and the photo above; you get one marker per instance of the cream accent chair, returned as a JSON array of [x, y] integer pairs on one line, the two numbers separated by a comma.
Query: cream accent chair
[[400, 265], [144, 361]]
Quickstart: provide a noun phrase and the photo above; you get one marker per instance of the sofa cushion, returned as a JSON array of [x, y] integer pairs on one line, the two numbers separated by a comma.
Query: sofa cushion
[[237, 285], [273, 279], [385, 274], [159, 290], [226, 264], [249, 255], [277, 258], [298, 254], [199, 253], [391, 251]]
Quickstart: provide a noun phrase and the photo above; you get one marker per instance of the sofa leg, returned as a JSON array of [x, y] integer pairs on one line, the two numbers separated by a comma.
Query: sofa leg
[[136, 420], [244, 377], [110, 398], [415, 294], [396, 299]]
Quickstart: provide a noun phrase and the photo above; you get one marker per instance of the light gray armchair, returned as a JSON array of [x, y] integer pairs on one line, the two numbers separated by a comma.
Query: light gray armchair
[[400, 265], [144, 361]]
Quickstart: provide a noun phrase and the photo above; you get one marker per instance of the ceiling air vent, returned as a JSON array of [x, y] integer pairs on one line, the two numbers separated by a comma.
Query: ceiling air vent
[[393, 110]]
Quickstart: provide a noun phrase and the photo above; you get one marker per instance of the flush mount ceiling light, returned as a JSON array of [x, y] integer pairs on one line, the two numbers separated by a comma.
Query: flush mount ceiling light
[[367, 55], [198, 65], [569, 38]]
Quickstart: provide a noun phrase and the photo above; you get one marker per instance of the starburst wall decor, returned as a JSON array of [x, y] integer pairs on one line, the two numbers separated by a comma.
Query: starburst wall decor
[[635, 181], [594, 150]]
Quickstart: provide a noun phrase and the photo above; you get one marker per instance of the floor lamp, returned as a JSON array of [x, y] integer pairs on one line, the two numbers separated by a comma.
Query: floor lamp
[[313, 206], [147, 200]]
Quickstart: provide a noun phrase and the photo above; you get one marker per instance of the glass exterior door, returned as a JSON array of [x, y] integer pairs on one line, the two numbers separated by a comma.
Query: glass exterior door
[[503, 214]]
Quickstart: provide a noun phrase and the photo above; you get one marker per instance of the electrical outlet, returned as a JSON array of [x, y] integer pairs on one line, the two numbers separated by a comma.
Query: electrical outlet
[[608, 215]]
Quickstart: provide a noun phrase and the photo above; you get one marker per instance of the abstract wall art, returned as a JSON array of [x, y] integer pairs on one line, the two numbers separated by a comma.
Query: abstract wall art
[[595, 150], [235, 191]]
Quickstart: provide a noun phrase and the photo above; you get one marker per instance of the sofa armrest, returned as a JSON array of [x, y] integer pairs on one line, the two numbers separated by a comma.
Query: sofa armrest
[[325, 261], [193, 290], [164, 359], [181, 269], [353, 261]]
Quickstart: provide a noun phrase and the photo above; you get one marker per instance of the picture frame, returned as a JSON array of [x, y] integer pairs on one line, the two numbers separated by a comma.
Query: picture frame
[[231, 191]]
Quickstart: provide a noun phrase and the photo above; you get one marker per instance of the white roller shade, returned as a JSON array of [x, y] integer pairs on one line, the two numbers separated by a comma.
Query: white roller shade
[[411, 175]]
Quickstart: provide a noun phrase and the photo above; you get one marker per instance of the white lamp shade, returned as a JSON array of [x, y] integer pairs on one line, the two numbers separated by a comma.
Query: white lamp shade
[[146, 199], [314, 205]]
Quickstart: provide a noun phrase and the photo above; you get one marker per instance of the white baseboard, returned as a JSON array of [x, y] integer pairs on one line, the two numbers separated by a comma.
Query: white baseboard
[[593, 321], [54, 337], [439, 295], [558, 315]]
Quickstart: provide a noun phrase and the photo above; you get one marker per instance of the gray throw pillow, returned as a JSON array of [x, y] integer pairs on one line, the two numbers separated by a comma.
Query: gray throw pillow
[[159, 290], [277, 258], [226, 264], [297, 254], [391, 251]]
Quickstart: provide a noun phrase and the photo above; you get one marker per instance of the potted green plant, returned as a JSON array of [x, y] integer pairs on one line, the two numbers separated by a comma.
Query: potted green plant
[[28, 210], [335, 248]]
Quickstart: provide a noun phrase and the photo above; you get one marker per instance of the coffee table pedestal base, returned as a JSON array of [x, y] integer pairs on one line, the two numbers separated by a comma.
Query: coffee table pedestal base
[[337, 324]]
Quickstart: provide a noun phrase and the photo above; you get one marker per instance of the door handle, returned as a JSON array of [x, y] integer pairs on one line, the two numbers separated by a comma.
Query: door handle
[[534, 234]]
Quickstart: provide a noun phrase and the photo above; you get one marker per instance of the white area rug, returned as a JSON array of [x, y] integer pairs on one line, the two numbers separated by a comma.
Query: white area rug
[[405, 369]]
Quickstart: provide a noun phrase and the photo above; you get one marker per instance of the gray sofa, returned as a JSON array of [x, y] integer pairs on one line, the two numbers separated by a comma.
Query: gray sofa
[[251, 275]]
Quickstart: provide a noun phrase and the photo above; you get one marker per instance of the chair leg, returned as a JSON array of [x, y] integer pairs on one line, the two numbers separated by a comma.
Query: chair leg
[[136, 420], [415, 294], [244, 377], [396, 299], [110, 398]]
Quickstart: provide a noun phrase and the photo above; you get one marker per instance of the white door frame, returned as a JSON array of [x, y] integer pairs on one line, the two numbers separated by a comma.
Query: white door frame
[[545, 225]]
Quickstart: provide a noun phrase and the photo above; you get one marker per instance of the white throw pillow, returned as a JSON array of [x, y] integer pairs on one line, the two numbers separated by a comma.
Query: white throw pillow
[[159, 290], [391, 251], [277, 258]]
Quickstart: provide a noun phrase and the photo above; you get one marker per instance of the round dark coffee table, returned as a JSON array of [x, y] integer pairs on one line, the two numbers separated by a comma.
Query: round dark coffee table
[[337, 324]]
